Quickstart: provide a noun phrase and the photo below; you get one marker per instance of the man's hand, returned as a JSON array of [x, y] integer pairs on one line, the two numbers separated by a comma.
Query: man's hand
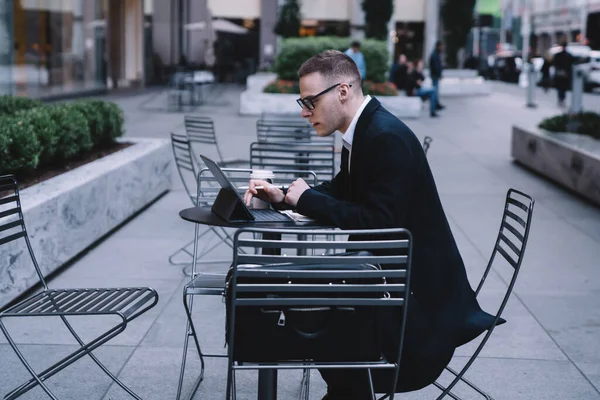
[[269, 192], [295, 190]]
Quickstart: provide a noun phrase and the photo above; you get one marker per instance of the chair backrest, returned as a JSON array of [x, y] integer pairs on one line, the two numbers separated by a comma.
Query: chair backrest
[[280, 116], [426, 143], [201, 130], [186, 163], [288, 130], [511, 240], [12, 224], [318, 158], [208, 187], [320, 270]]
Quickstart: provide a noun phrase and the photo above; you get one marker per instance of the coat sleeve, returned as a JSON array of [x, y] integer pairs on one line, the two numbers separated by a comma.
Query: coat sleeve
[[388, 190]]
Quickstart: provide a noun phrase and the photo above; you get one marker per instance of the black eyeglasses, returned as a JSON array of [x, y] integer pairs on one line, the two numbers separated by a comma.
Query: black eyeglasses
[[308, 101]]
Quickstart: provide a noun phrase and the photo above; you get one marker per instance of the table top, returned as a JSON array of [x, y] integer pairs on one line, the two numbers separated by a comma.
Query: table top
[[203, 215]]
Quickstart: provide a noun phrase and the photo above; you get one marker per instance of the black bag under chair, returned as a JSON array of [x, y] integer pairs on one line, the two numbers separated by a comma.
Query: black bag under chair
[[319, 333]]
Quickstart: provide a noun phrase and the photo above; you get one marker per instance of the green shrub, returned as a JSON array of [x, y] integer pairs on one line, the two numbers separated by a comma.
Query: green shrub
[[295, 51], [105, 120], [380, 89], [93, 116], [9, 105], [74, 137], [45, 129], [281, 86], [114, 121], [20, 148], [587, 123]]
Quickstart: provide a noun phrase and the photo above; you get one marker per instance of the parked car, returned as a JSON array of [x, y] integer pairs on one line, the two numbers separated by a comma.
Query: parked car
[[506, 66], [593, 77]]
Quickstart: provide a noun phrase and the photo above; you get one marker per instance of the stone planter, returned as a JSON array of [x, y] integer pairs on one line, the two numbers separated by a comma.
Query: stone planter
[[68, 213], [254, 102], [570, 159], [461, 86]]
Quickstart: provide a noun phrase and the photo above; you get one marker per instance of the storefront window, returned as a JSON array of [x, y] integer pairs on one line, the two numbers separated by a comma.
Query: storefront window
[[57, 47], [6, 51]]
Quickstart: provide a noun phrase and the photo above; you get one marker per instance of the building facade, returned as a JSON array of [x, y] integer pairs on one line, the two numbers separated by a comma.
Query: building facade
[[335, 17], [549, 21], [51, 48]]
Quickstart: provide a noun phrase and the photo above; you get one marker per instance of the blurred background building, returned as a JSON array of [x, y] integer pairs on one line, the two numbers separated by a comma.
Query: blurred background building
[[69, 47]]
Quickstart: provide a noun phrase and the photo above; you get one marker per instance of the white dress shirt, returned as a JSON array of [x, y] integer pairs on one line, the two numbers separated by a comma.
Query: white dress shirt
[[348, 137]]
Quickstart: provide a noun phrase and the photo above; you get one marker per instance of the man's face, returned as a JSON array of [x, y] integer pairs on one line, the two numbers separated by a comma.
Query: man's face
[[326, 117], [402, 59], [355, 49]]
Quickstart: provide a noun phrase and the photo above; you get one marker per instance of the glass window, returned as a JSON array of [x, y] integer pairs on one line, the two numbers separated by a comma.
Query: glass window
[[57, 46], [6, 49]]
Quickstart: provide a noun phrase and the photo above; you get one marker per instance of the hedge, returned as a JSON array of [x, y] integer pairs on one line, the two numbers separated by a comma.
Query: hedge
[[294, 51], [9, 105], [587, 123], [34, 136]]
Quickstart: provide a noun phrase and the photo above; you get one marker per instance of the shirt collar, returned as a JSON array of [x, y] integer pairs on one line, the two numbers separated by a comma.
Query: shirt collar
[[349, 135]]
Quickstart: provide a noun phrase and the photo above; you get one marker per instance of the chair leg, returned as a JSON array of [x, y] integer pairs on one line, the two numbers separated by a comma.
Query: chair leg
[[64, 362], [26, 364], [209, 246], [371, 388], [448, 393], [305, 385], [190, 331], [229, 388], [98, 362], [471, 384]]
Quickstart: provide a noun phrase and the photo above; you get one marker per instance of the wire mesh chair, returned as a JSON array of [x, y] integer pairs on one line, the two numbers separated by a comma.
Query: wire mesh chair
[[213, 284], [510, 247], [187, 168], [426, 143], [125, 304], [318, 158], [315, 277]]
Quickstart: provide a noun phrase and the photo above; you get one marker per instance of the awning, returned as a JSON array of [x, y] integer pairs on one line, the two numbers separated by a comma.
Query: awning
[[220, 25]]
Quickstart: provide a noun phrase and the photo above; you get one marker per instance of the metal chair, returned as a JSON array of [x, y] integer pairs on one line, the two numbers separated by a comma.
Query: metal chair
[[178, 89], [187, 167], [200, 130], [281, 156], [291, 130], [510, 246], [426, 143], [322, 279], [125, 304], [213, 284]]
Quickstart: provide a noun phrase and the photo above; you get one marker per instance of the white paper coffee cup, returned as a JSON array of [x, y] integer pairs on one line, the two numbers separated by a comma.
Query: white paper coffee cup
[[263, 174]]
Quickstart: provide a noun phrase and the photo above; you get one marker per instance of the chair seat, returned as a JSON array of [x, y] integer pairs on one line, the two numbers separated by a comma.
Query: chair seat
[[207, 283], [124, 301]]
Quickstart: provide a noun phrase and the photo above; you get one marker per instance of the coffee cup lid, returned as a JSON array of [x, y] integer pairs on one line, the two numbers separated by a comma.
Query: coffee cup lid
[[262, 173]]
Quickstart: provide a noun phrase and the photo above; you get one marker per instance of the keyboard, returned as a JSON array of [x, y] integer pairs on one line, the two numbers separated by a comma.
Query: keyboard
[[268, 216]]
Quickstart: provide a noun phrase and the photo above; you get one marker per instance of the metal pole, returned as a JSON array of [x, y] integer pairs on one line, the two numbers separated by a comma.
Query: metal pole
[[531, 85], [577, 90]]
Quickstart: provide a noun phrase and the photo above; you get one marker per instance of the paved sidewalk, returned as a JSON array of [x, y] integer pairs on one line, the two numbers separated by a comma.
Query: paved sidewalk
[[549, 349]]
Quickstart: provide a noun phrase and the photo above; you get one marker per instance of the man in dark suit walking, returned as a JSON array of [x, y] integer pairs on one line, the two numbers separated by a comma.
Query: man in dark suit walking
[[436, 69], [385, 182]]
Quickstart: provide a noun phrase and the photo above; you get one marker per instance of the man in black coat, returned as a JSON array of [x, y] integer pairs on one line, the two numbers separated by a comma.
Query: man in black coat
[[563, 67], [385, 182], [436, 68]]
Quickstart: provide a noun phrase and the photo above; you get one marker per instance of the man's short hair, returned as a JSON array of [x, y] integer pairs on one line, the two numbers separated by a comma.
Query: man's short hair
[[332, 64], [355, 44]]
